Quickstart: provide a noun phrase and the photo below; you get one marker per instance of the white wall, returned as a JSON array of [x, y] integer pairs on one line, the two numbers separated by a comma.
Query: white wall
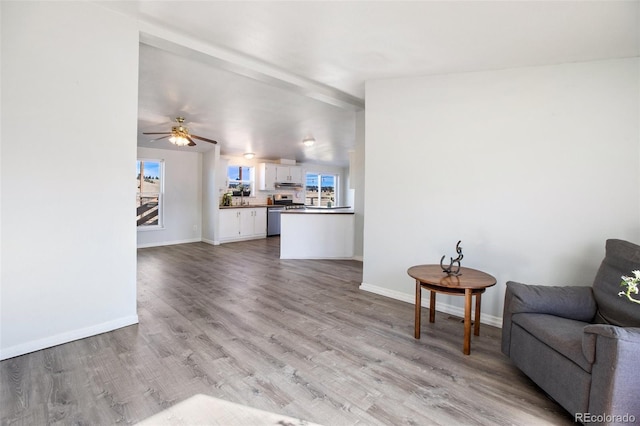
[[531, 168], [69, 124], [357, 177], [213, 179], [182, 206]]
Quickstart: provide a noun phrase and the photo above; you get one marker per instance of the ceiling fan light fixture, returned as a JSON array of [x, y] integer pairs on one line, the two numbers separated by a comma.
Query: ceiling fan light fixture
[[249, 155], [179, 140], [179, 135], [308, 141]]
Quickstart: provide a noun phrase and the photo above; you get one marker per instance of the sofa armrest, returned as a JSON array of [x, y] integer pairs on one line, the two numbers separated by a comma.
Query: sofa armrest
[[626, 334], [614, 380], [592, 331], [575, 303]]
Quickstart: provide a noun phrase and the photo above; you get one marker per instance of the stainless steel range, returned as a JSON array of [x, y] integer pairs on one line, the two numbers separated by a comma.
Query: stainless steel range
[[280, 203]]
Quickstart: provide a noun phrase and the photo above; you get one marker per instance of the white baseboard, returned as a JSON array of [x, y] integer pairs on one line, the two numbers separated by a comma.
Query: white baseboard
[[358, 258], [170, 243], [314, 258], [440, 307], [212, 242], [235, 240], [69, 336]]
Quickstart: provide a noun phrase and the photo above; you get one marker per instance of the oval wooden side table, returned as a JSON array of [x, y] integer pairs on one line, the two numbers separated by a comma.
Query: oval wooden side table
[[469, 283]]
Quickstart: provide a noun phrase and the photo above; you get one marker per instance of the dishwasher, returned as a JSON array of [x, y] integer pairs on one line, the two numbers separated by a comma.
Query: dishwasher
[[273, 220], [280, 202]]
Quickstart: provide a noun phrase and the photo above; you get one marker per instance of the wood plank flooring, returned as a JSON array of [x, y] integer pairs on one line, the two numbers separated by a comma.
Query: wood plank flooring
[[295, 337]]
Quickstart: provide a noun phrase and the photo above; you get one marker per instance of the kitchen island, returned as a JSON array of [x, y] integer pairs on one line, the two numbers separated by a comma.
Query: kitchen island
[[317, 233]]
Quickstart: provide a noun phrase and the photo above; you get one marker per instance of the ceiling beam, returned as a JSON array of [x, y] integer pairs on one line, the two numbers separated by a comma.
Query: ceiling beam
[[244, 65]]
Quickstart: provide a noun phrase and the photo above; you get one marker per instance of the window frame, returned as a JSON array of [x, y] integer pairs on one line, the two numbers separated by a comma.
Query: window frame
[[251, 181], [319, 175], [159, 194]]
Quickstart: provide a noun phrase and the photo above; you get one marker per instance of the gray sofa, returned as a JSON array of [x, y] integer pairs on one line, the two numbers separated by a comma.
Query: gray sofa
[[581, 345]]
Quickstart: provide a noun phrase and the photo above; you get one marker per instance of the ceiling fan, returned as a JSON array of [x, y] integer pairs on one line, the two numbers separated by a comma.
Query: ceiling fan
[[179, 135]]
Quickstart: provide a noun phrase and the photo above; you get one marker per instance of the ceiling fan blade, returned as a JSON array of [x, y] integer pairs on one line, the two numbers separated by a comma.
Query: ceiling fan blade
[[191, 142], [157, 139], [203, 139], [156, 133]]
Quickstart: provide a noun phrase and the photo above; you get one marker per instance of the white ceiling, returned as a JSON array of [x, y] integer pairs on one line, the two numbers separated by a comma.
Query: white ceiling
[[275, 72]]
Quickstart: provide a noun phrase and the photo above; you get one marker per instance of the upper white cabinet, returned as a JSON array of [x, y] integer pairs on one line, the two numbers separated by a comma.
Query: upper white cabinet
[[291, 174], [270, 173], [266, 176]]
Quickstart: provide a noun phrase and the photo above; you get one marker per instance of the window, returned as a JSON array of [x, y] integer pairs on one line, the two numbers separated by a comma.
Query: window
[[241, 180], [150, 183], [321, 189]]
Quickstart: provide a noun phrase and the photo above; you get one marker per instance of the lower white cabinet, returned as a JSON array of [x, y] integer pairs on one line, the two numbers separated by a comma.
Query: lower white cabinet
[[243, 223], [229, 224]]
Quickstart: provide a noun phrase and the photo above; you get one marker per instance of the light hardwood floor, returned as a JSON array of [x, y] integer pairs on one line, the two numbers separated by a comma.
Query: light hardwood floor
[[295, 337]]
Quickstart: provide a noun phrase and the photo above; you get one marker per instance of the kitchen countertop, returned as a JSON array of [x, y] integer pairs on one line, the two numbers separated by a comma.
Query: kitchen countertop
[[246, 206], [320, 210]]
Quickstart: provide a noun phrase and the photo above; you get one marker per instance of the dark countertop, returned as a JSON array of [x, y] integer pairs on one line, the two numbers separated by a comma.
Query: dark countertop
[[320, 210], [246, 206]]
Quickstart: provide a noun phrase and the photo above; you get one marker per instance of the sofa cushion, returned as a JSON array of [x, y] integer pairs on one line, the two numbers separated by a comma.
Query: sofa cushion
[[562, 379], [562, 334], [621, 258], [568, 302]]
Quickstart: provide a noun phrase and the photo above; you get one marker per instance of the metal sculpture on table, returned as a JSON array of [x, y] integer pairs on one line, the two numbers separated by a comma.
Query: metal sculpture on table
[[450, 270]]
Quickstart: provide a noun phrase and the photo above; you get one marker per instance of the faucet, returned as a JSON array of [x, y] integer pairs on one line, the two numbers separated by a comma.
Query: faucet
[[241, 188]]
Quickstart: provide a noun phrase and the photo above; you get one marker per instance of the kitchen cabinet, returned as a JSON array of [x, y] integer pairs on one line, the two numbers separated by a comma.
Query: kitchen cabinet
[[253, 222], [291, 174], [271, 173], [266, 176], [229, 224], [243, 223]]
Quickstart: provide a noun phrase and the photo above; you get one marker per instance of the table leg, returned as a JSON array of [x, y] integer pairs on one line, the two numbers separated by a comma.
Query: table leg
[[432, 307], [466, 347], [476, 325], [416, 330]]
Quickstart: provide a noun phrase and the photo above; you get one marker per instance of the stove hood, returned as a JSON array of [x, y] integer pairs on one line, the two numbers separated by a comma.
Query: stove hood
[[288, 185]]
